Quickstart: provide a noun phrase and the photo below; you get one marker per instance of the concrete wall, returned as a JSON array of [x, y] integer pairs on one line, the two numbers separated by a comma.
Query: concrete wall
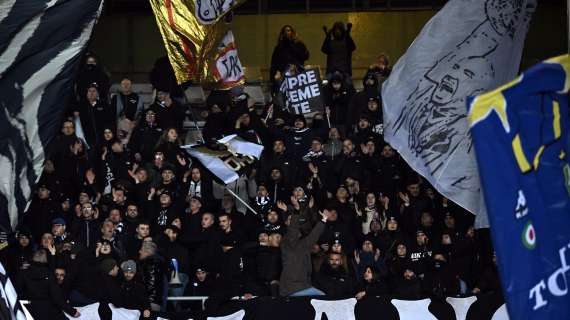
[[129, 44]]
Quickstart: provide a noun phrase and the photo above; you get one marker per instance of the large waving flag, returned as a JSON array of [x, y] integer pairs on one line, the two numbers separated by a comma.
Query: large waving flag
[[198, 41], [467, 48], [520, 131], [40, 44]]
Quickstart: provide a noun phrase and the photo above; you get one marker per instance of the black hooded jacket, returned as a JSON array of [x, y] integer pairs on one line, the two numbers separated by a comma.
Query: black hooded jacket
[[38, 285]]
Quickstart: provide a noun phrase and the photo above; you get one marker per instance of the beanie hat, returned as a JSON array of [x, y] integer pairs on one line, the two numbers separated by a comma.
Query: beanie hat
[[129, 265], [107, 265]]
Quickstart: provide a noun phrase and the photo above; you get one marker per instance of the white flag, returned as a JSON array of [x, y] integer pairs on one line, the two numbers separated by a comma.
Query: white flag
[[229, 163], [468, 47]]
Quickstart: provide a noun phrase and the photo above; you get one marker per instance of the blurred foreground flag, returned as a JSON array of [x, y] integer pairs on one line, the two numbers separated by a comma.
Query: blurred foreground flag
[[41, 43], [199, 42], [520, 132], [467, 48]]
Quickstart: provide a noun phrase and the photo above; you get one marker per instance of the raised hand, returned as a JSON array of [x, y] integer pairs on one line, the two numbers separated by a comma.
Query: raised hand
[[152, 193], [377, 255], [281, 205], [404, 197], [295, 203], [325, 214]]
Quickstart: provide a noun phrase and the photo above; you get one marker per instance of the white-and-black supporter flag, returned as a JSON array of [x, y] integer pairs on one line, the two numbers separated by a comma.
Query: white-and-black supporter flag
[[10, 307], [41, 43]]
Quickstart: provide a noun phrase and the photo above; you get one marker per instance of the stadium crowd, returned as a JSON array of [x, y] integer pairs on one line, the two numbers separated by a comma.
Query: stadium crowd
[[120, 206]]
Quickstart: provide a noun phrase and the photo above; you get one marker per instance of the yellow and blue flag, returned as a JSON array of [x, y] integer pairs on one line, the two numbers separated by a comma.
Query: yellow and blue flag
[[520, 133]]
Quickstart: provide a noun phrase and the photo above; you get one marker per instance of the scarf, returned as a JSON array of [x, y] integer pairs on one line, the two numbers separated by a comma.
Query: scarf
[[195, 189]]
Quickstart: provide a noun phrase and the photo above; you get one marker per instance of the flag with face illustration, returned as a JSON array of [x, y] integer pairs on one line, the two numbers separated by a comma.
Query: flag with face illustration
[[520, 132], [41, 43], [467, 48]]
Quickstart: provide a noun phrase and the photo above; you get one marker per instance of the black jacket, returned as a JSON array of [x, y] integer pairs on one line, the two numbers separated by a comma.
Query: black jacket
[[335, 283], [108, 290], [130, 106], [373, 288], [38, 285], [86, 232], [174, 250], [153, 272], [169, 117], [144, 139], [39, 216], [267, 264], [338, 102], [134, 295], [285, 53], [94, 120], [89, 74], [339, 53]]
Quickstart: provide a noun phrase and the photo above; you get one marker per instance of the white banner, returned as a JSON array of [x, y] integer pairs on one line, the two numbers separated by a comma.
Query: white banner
[[227, 164], [467, 48]]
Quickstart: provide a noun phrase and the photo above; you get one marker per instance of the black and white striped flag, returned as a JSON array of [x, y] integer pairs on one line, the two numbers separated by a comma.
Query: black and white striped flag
[[10, 307], [41, 42]]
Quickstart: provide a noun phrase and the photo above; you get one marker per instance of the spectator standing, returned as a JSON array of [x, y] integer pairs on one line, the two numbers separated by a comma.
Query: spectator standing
[[153, 272], [127, 107], [132, 291], [38, 285], [296, 254], [339, 46], [290, 50]]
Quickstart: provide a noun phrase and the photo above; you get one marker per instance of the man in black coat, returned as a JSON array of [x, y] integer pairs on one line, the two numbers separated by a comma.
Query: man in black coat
[[41, 212], [278, 158], [171, 250], [338, 46], [85, 231], [349, 163], [145, 136], [107, 287], [134, 242], [263, 277], [153, 272], [38, 285], [132, 291], [95, 116], [169, 113], [290, 50], [337, 95], [92, 73], [333, 278]]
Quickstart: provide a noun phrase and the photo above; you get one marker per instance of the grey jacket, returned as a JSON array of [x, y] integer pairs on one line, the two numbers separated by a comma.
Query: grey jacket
[[296, 255]]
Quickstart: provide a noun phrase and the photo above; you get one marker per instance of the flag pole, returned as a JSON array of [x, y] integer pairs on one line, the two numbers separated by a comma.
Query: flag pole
[[240, 199]]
